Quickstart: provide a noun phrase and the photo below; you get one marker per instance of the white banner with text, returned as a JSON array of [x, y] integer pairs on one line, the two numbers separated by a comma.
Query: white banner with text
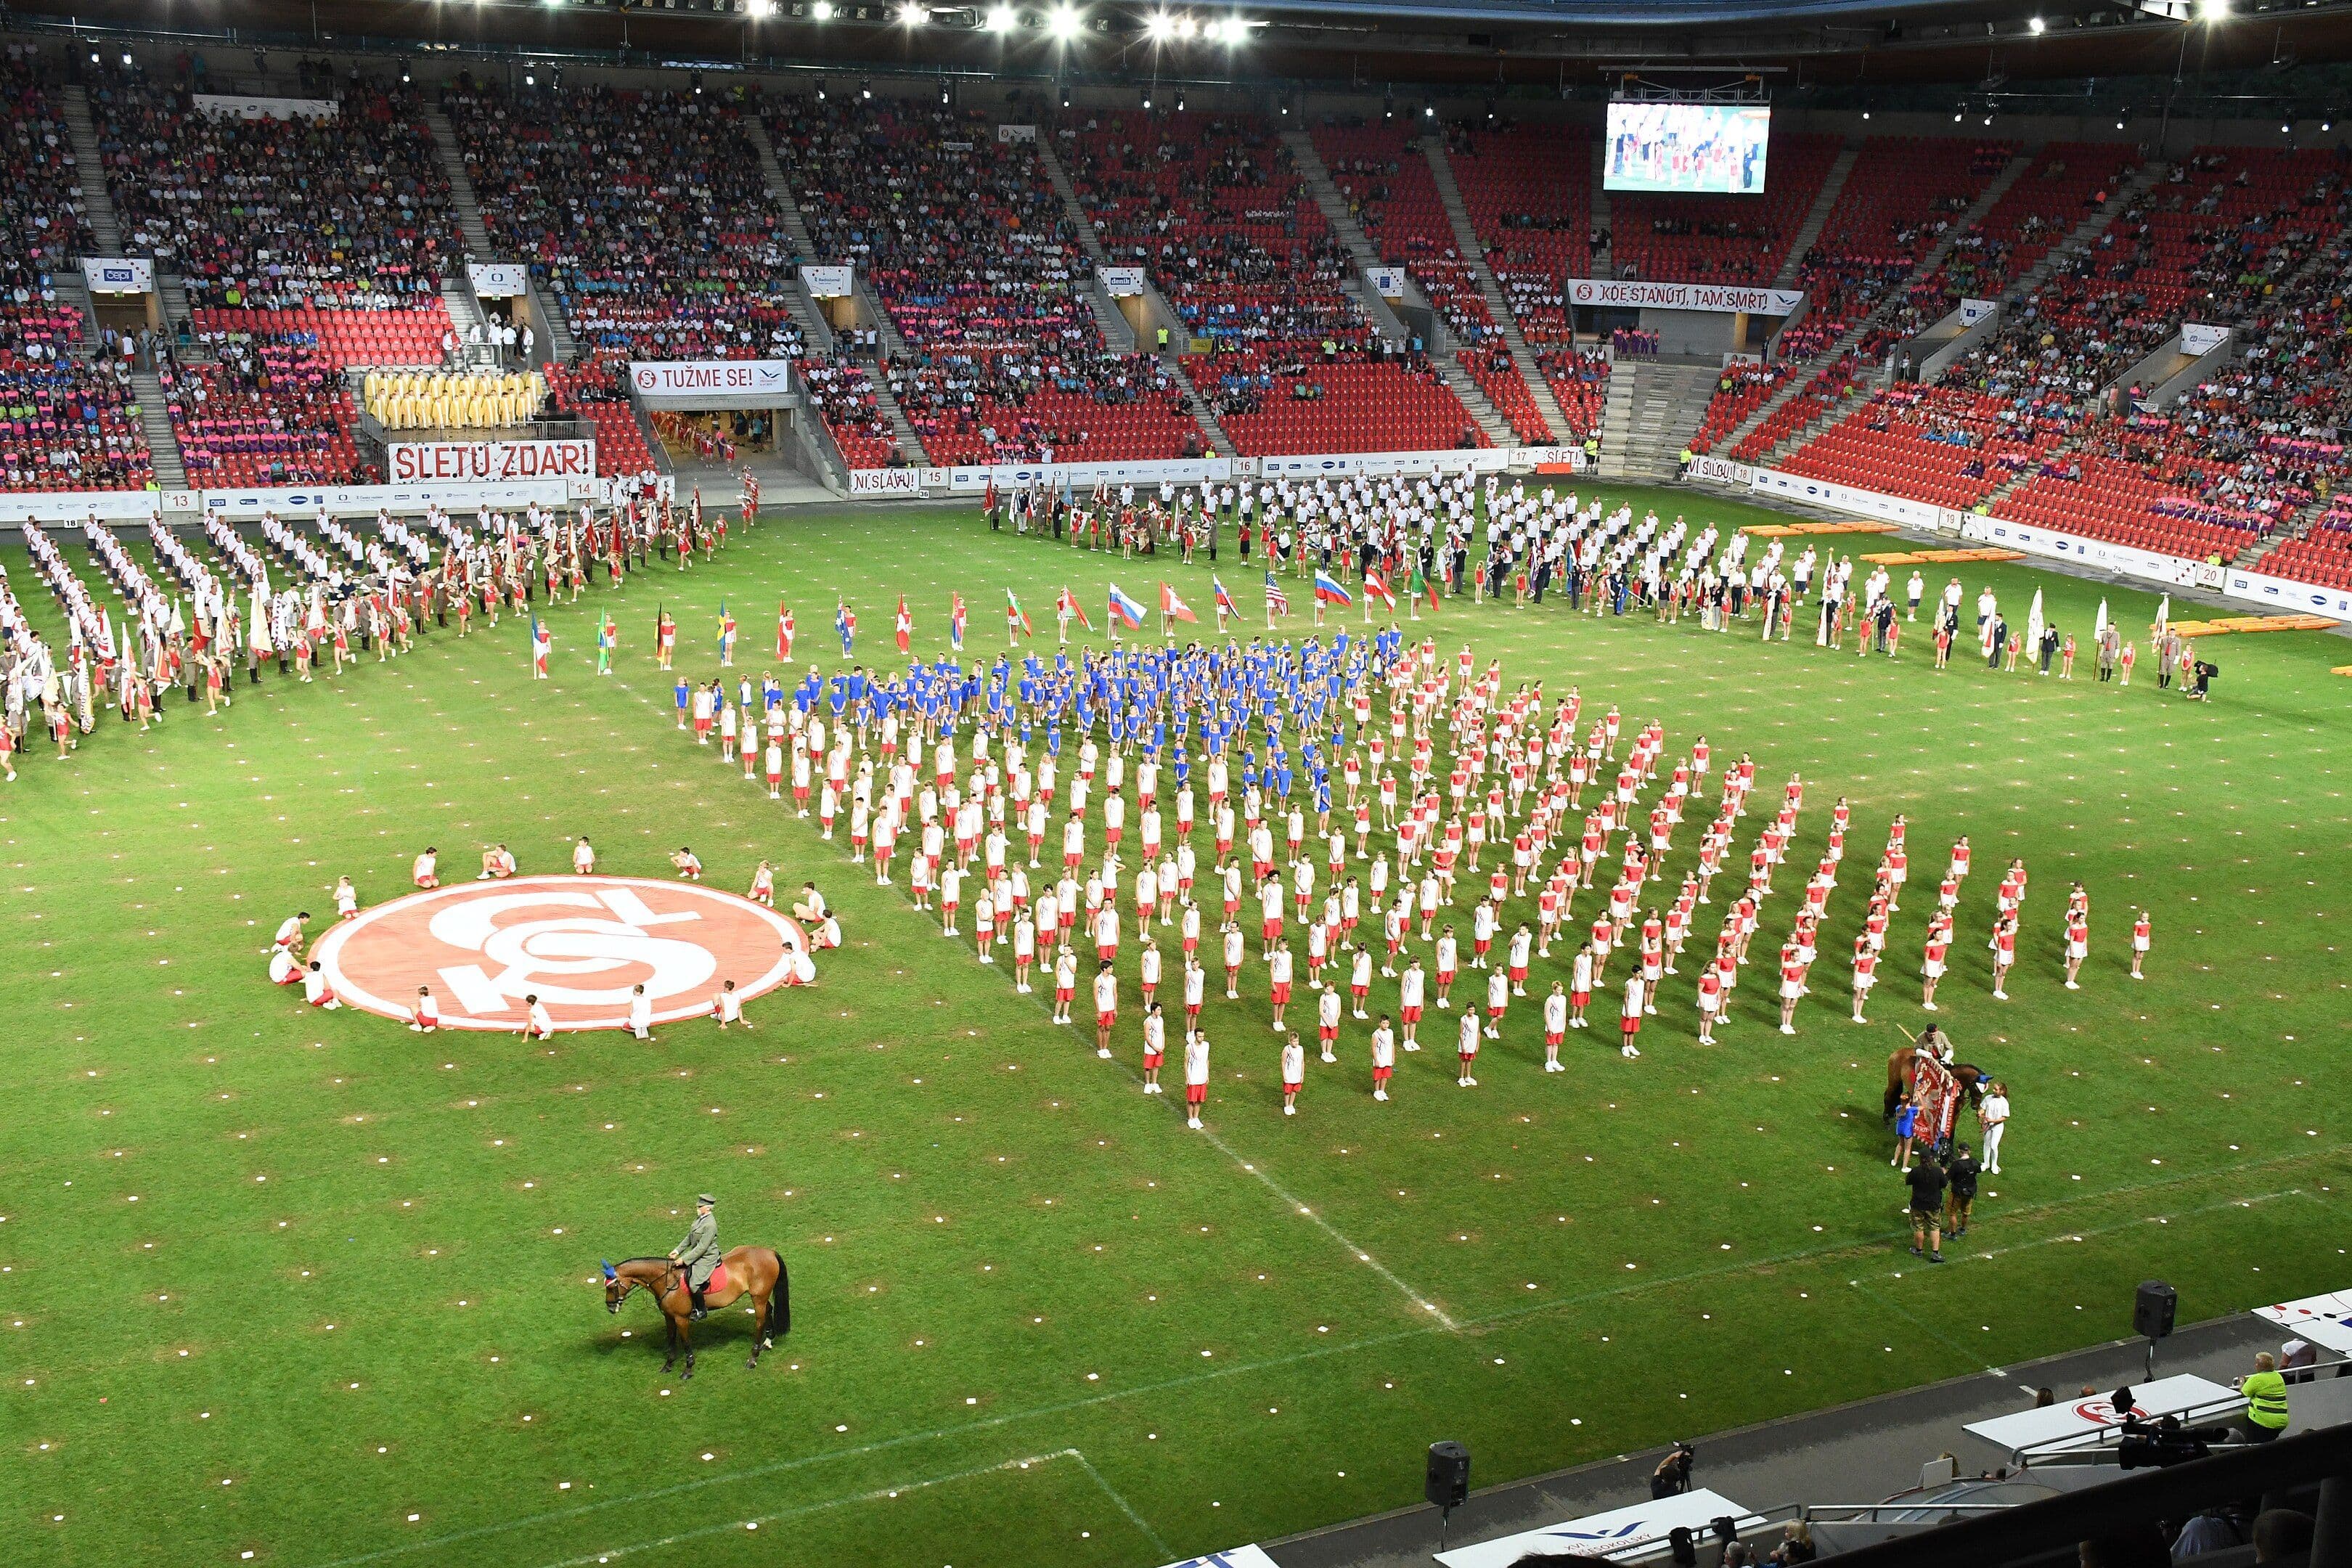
[[490, 462], [1860, 502], [1631, 294], [694, 382], [877, 482], [499, 279], [241, 108], [1119, 282]]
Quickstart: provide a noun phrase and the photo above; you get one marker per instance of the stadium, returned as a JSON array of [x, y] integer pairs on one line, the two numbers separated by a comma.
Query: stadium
[[1459, 553]]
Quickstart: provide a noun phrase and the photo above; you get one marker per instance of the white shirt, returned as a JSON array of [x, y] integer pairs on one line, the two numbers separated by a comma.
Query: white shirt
[[1196, 1059]]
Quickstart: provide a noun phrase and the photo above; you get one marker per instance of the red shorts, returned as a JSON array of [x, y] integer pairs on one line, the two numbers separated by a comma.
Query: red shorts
[[1381, 1075], [1064, 994], [1281, 992], [1518, 973], [1359, 992], [1494, 1011], [1114, 834], [1195, 1093], [1482, 944], [1106, 950], [1288, 1087], [1631, 1026], [1151, 1060], [1554, 1036], [1580, 998], [1445, 977], [1106, 1017], [1467, 1057], [1410, 1014], [1327, 1032]]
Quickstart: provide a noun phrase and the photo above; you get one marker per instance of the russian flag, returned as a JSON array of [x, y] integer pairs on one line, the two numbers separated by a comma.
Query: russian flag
[[1328, 591], [1124, 610], [1224, 601]]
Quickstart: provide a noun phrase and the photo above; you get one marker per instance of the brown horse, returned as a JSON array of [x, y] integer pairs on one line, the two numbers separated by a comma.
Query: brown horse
[[1971, 1077], [754, 1271]]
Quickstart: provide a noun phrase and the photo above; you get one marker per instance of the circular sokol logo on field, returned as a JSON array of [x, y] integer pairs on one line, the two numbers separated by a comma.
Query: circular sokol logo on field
[[580, 945]]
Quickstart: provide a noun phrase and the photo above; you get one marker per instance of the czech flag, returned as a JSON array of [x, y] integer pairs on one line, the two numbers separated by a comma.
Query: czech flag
[[1174, 608], [905, 628], [1328, 591], [1124, 610], [1016, 617], [1224, 601], [955, 622]]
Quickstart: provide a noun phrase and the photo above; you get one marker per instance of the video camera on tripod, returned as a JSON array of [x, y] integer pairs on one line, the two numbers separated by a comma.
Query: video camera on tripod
[[2154, 1444]]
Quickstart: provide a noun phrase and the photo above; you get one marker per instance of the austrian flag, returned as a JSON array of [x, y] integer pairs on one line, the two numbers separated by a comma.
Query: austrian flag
[[1377, 587]]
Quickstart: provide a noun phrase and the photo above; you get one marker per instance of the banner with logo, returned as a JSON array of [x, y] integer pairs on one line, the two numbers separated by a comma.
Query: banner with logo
[[72, 506], [1484, 460], [2076, 1423], [1121, 282], [877, 482], [703, 384], [1232, 1557], [2197, 340], [1601, 1536], [1975, 311], [491, 462], [229, 106], [1388, 282], [367, 499], [1544, 459], [1634, 295], [2176, 570], [2286, 595], [118, 274], [973, 479], [1862, 503], [828, 280], [499, 279], [1016, 133]]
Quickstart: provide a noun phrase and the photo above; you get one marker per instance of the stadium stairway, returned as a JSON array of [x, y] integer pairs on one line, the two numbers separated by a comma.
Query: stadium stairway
[[1601, 265], [462, 199], [1467, 246], [105, 225], [156, 422], [1326, 192], [815, 329], [1651, 408], [891, 345], [172, 294], [466, 315], [1930, 264], [1832, 184], [1090, 242], [561, 347]]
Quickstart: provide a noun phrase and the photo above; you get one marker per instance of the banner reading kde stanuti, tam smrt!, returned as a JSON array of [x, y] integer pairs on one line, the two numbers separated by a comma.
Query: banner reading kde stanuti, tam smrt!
[[477, 462], [1634, 295]]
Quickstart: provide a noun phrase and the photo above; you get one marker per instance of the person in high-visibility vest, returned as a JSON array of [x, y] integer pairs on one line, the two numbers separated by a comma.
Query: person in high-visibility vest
[[1163, 340], [2265, 1393]]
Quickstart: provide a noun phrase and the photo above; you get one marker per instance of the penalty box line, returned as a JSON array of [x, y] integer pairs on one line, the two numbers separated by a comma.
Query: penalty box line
[[1420, 1299], [1190, 1380]]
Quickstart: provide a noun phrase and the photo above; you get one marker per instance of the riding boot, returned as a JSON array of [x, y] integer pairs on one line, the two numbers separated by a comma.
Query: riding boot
[[701, 1310]]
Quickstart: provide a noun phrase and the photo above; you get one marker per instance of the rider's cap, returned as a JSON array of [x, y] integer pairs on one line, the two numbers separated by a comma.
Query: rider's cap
[[706, 1198]]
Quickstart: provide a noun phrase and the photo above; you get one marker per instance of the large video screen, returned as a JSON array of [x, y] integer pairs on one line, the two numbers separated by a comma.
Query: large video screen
[[1688, 147]]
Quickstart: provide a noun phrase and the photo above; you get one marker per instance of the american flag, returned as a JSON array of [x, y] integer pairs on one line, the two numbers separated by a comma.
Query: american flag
[[1278, 602]]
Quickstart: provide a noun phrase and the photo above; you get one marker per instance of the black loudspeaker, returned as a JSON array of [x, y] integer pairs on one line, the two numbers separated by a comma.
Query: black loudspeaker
[[2153, 1308], [1449, 1475]]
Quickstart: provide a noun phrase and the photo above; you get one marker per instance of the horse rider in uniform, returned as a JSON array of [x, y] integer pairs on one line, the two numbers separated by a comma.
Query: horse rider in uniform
[[699, 1254]]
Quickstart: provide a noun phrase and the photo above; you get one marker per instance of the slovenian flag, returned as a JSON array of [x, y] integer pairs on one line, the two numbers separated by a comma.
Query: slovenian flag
[[1125, 611], [1224, 601], [904, 630], [1328, 591], [1016, 617], [1377, 587], [1174, 608]]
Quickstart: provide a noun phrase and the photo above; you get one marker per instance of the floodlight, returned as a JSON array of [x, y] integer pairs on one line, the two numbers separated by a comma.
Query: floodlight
[[1064, 22], [1003, 20]]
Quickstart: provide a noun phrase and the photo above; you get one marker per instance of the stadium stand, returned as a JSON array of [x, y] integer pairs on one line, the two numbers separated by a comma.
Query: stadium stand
[[347, 208], [1940, 445], [592, 391], [1721, 239], [1213, 208], [646, 214], [270, 412], [1742, 389], [969, 247], [1527, 190], [1580, 382]]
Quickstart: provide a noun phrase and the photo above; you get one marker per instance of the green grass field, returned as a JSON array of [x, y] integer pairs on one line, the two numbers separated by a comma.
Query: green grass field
[[309, 1289]]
